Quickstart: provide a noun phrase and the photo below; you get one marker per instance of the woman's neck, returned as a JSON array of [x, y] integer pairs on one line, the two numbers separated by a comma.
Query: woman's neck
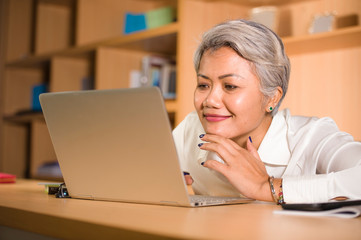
[[256, 135]]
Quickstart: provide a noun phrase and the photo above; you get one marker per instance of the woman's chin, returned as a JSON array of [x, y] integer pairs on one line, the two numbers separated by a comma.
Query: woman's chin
[[217, 132]]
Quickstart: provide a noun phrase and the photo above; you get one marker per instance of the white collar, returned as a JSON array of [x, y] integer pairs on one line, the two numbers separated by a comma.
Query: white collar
[[274, 148]]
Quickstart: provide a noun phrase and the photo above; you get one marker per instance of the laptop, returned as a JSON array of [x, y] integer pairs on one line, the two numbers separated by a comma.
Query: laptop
[[117, 145]]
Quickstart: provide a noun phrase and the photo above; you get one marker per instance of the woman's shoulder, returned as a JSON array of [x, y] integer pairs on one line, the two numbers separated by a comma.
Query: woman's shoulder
[[193, 116], [186, 133], [190, 124], [297, 122], [191, 120], [313, 130]]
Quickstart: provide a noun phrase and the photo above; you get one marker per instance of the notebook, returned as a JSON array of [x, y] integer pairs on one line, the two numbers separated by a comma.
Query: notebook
[[117, 145]]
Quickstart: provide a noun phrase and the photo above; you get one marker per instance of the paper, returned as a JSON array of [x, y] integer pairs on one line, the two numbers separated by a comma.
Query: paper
[[343, 212]]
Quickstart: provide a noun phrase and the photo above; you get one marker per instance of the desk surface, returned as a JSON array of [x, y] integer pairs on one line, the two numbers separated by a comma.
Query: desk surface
[[25, 205]]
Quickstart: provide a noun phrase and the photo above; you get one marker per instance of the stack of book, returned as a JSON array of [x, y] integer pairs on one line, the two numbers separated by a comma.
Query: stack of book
[[159, 71], [135, 22]]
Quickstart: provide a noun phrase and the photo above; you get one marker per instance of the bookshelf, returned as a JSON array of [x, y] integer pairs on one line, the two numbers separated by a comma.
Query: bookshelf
[[338, 39], [62, 42], [147, 40]]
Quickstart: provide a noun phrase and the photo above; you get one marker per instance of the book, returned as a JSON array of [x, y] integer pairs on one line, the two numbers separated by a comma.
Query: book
[[168, 81], [7, 178], [160, 17], [36, 91], [159, 71], [135, 78], [134, 22]]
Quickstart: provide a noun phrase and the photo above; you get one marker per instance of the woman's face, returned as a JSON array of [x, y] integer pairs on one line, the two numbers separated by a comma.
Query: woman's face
[[228, 99]]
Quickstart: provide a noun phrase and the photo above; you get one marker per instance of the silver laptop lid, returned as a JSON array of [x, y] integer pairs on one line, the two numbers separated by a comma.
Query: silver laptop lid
[[115, 145]]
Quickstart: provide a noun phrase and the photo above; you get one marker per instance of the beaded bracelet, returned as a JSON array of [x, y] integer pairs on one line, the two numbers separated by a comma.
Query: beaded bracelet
[[278, 199], [280, 196]]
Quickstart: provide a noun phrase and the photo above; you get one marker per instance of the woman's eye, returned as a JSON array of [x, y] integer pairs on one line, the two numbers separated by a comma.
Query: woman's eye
[[230, 87], [202, 86]]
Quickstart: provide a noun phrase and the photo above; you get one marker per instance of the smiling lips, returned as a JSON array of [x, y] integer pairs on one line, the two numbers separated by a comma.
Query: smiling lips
[[215, 117]]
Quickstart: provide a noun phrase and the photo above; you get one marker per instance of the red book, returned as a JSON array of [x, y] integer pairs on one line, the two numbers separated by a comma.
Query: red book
[[7, 178]]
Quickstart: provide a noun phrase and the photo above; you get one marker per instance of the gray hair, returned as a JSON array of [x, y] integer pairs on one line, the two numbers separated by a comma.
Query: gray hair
[[257, 44]]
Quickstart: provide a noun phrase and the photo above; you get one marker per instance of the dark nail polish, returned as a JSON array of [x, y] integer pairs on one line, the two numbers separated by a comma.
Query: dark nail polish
[[200, 145], [250, 139], [202, 163], [186, 173], [202, 135]]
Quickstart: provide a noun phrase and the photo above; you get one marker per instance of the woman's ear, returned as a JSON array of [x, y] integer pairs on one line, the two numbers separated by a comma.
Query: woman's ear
[[273, 101]]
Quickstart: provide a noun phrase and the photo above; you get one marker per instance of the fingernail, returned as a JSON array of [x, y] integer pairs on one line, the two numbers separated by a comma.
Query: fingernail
[[202, 163], [250, 139], [200, 145], [202, 135], [186, 173]]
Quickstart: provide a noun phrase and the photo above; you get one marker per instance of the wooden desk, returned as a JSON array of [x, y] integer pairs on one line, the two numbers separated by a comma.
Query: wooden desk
[[26, 206]]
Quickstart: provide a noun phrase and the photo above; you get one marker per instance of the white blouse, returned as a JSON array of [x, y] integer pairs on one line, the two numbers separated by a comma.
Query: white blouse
[[316, 161]]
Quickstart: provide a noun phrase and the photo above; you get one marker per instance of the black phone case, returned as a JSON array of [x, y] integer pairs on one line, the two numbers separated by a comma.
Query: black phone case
[[320, 206]]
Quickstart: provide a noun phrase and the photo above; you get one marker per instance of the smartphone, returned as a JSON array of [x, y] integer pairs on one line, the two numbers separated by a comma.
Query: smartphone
[[322, 206]]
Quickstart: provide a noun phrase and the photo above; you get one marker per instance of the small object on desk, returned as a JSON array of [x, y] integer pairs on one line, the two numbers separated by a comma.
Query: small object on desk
[[51, 188], [342, 209], [63, 192], [7, 178]]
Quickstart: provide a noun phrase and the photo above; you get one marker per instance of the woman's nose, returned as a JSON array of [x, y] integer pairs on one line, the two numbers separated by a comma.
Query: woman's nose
[[213, 99]]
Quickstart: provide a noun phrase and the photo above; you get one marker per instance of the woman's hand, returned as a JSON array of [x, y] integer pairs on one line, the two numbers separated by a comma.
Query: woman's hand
[[242, 167], [188, 178], [189, 182]]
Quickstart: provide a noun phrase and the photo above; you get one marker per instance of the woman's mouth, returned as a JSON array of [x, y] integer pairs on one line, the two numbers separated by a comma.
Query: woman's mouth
[[215, 117]]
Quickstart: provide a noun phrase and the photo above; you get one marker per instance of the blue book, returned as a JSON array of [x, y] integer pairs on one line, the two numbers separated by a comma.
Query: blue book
[[37, 90], [134, 22]]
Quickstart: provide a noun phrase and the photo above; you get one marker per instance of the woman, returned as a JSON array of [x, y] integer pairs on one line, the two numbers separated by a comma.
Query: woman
[[238, 143]]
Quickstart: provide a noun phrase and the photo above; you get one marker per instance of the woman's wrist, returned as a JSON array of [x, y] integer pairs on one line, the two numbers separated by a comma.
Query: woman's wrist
[[275, 185]]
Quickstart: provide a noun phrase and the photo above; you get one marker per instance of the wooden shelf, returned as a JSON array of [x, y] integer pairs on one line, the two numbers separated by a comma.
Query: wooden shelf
[[337, 39], [171, 105], [24, 118], [160, 40]]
